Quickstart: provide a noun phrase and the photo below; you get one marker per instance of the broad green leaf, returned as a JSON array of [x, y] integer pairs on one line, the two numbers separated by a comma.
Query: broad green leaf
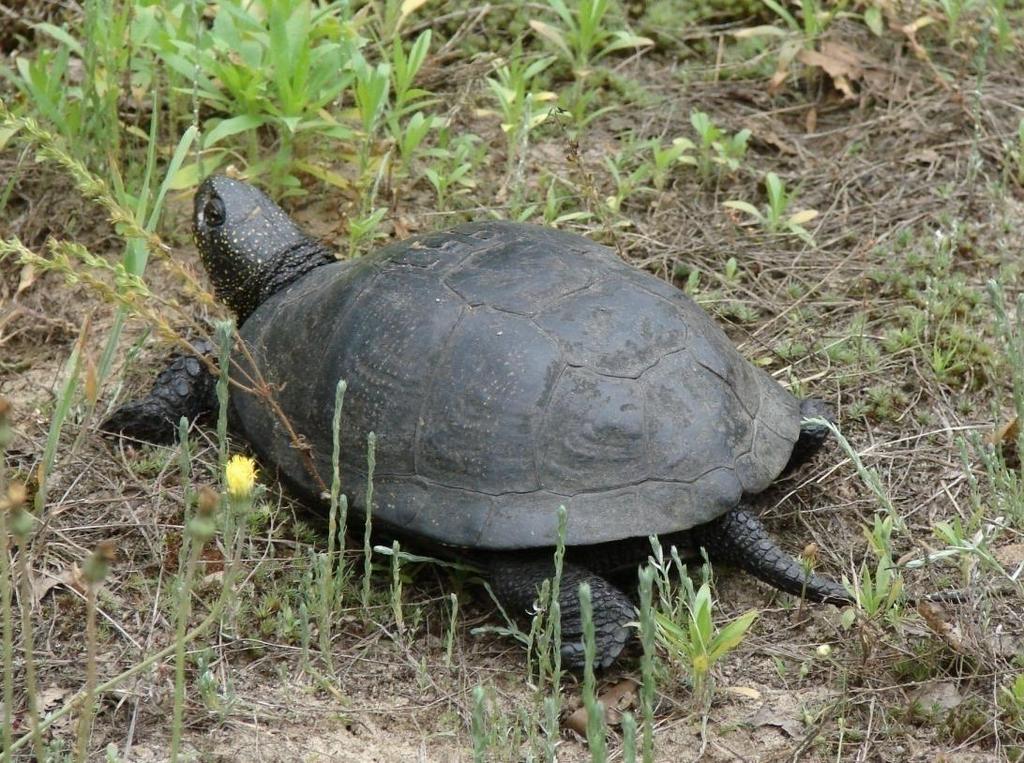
[[233, 126], [189, 177], [552, 35], [6, 133], [774, 187], [873, 20], [626, 40], [323, 174], [743, 206], [731, 635], [61, 36], [785, 15], [178, 159]]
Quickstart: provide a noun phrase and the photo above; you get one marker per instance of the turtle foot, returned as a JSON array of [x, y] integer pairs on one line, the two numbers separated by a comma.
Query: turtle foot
[[516, 580]]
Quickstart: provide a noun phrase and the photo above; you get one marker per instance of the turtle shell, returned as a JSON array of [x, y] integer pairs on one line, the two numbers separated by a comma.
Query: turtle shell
[[506, 370]]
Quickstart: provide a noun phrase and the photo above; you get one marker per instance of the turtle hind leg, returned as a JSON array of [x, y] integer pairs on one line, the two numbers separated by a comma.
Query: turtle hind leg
[[738, 538], [184, 388], [516, 578], [812, 434]]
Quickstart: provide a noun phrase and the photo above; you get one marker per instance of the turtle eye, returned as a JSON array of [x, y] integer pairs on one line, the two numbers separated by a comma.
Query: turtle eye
[[213, 212]]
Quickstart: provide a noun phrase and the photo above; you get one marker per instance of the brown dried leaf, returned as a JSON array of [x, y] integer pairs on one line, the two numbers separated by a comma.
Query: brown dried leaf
[[811, 120], [767, 715], [45, 582], [52, 696], [844, 65], [910, 32], [616, 700], [27, 277], [772, 138], [924, 156], [935, 618], [743, 692], [786, 55], [1005, 433]]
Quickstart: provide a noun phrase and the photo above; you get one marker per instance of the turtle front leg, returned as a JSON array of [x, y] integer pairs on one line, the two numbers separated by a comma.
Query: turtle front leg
[[184, 388], [516, 578]]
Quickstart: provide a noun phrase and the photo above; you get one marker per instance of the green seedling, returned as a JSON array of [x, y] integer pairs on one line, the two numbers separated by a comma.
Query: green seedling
[[583, 38], [954, 10], [454, 159], [876, 593], [521, 105], [410, 135], [812, 22], [1015, 156], [774, 217], [274, 64], [717, 151], [684, 621], [1011, 701], [697, 642], [627, 181], [596, 729], [407, 123], [666, 158], [555, 205]]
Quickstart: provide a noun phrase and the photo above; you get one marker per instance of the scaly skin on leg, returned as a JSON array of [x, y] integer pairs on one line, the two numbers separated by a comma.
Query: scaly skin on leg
[[184, 388], [516, 579], [738, 538]]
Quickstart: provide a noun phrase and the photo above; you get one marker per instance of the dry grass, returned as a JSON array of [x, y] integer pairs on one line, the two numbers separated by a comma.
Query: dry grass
[[910, 160]]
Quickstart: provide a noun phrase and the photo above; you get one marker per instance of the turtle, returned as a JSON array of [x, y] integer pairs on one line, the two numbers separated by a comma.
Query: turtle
[[506, 370]]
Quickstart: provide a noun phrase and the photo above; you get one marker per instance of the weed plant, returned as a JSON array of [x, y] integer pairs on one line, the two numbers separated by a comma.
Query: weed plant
[[135, 101]]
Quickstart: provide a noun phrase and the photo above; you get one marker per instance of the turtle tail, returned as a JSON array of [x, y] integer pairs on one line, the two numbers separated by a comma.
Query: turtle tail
[[738, 538]]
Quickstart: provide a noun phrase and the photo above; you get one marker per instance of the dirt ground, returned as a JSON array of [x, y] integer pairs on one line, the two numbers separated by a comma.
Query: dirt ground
[[904, 158]]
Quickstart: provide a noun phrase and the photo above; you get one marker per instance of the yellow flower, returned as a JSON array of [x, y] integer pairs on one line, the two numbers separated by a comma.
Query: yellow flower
[[240, 474]]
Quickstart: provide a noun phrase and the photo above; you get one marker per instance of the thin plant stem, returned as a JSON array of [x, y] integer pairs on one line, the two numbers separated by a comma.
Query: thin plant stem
[[88, 706], [28, 646], [449, 644], [628, 738], [94, 572], [60, 414], [224, 331], [371, 461], [478, 727], [647, 637], [184, 611], [6, 435], [329, 579], [595, 710], [76, 701], [8, 621], [396, 589]]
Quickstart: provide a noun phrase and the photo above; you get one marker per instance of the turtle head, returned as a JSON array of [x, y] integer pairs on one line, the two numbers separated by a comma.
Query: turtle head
[[249, 246]]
